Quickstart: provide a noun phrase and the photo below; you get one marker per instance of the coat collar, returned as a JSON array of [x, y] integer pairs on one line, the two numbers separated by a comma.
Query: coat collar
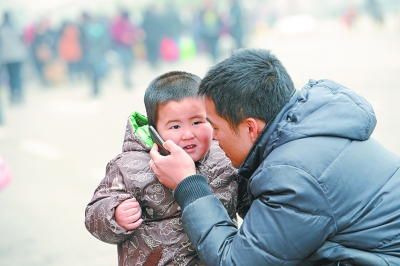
[[265, 142]]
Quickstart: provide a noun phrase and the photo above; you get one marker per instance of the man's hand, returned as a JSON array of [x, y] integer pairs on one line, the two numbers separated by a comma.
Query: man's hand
[[128, 213], [173, 168]]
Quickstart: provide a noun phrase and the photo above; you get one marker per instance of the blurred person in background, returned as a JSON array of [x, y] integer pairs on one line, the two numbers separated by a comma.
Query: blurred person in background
[[29, 38], [374, 9], [172, 23], [124, 35], [236, 23], [211, 26], [13, 53], [6, 174], [193, 28], [152, 25], [95, 43], [350, 15], [44, 48], [70, 49], [172, 30]]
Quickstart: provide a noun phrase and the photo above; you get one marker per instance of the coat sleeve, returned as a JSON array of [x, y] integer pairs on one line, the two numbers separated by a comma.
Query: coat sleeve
[[99, 213], [289, 218]]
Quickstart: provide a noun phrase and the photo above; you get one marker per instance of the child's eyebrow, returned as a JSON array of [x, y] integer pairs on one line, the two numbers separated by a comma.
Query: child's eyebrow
[[198, 116], [173, 121], [178, 120]]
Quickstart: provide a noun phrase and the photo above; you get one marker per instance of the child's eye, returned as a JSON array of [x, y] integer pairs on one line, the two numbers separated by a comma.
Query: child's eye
[[175, 127], [196, 122]]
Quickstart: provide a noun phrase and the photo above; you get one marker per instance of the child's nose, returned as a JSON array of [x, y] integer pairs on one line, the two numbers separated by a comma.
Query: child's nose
[[187, 134]]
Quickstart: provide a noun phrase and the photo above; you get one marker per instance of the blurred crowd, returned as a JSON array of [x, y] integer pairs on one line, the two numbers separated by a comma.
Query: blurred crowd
[[80, 48]]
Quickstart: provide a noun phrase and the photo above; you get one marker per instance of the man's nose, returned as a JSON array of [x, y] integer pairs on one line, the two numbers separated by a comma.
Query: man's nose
[[214, 136]]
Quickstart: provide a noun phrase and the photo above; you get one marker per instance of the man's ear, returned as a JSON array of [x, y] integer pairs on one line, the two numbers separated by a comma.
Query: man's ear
[[255, 126]]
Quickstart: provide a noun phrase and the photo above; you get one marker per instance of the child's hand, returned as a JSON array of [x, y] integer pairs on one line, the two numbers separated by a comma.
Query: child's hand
[[128, 213]]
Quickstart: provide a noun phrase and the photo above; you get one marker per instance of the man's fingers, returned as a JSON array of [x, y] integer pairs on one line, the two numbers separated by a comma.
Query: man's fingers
[[170, 145], [154, 152]]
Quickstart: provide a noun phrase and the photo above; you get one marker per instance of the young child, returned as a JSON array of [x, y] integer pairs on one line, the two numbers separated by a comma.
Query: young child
[[131, 208]]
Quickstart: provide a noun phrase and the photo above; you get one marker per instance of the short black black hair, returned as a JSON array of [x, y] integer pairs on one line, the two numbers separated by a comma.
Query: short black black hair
[[171, 86], [249, 83]]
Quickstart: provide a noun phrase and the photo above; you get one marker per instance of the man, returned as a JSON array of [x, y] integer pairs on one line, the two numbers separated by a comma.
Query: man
[[237, 27], [13, 54], [124, 34], [323, 192]]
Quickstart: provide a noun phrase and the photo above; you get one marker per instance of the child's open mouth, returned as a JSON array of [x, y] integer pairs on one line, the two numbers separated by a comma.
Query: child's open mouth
[[189, 147]]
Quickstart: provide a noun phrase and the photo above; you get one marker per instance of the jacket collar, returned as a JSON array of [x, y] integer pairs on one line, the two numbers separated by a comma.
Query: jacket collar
[[265, 142]]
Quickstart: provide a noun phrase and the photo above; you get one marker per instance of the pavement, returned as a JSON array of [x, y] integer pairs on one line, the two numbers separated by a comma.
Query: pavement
[[59, 142]]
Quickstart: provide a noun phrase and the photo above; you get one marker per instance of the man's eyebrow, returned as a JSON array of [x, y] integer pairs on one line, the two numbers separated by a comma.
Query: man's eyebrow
[[209, 121]]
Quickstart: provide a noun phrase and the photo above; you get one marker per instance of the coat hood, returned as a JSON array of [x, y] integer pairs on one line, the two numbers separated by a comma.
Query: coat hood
[[321, 108], [137, 136]]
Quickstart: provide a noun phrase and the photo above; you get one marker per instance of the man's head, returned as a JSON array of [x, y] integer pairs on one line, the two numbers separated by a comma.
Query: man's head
[[178, 113], [243, 93]]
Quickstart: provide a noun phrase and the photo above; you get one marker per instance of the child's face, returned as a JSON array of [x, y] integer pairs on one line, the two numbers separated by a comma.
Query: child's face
[[185, 123]]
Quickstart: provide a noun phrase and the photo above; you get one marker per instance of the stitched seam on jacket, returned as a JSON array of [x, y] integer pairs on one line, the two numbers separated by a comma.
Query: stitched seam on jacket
[[358, 105]]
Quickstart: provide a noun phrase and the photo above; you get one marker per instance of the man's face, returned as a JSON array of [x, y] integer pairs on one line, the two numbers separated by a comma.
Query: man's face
[[185, 123], [236, 145]]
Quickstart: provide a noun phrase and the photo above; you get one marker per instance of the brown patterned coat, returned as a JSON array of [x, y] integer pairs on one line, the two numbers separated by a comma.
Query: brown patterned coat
[[128, 175]]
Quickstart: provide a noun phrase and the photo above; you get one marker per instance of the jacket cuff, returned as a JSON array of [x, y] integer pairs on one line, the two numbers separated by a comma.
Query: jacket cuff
[[190, 189]]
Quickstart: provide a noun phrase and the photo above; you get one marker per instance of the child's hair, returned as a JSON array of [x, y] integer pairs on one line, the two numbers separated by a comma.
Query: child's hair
[[171, 86]]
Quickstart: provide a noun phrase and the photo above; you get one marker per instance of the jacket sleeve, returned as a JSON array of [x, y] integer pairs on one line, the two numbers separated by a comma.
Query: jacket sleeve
[[99, 213], [289, 218]]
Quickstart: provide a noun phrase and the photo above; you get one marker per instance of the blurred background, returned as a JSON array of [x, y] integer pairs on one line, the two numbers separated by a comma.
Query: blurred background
[[72, 72]]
